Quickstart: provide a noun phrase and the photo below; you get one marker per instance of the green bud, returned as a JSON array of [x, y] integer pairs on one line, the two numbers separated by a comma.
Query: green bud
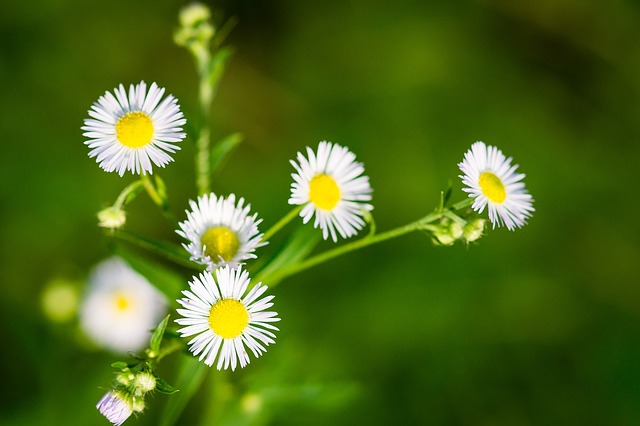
[[145, 382], [474, 229], [193, 14], [137, 406], [112, 218]]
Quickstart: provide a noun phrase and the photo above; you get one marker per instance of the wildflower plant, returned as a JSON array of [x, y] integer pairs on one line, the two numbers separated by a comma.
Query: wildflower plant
[[225, 311]]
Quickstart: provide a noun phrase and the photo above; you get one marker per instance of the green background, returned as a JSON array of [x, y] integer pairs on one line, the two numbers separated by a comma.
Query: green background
[[537, 326]]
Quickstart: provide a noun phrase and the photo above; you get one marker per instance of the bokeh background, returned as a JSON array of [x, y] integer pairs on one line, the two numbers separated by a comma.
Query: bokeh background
[[537, 326]]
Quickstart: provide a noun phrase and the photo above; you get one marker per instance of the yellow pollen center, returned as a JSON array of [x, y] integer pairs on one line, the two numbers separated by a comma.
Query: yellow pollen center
[[121, 302], [134, 129], [324, 192], [220, 242], [228, 318], [492, 187]]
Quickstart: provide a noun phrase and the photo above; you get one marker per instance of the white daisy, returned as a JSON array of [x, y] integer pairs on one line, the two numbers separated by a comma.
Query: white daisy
[[220, 232], [331, 184], [120, 307], [223, 320], [130, 132], [115, 407], [494, 183]]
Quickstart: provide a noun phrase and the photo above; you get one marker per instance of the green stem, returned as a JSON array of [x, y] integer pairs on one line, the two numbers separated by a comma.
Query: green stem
[[154, 248], [277, 276], [203, 143], [158, 199], [421, 224], [132, 188], [281, 223]]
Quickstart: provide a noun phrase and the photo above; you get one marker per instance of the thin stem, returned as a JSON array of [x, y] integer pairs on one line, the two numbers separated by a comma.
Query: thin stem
[[203, 143], [338, 251], [281, 223], [159, 200], [132, 188], [154, 248], [421, 224]]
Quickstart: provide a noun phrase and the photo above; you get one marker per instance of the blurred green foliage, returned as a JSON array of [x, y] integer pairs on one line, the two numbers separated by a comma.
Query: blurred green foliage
[[538, 326]]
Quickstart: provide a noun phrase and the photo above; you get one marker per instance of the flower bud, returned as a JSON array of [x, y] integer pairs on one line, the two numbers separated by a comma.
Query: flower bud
[[193, 14], [473, 229], [115, 407], [145, 382], [112, 218], [137, 405], [59, 300]]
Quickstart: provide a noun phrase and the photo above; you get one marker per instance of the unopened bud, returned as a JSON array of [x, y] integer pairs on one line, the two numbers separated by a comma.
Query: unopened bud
[[112, 218], [474, 229], [145, 381]]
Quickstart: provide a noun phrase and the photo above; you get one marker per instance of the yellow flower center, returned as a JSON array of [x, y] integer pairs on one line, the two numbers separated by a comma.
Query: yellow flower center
[[220, 241], [228, 318], [324, 191], [134, 129], [492, 187], [121, 301]]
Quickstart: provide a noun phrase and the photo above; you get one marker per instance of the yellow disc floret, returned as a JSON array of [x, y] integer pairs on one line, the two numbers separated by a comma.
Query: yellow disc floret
[[492, 187], [324, 191], [220, 242], [134, 129], [121, 301], [228, 318]]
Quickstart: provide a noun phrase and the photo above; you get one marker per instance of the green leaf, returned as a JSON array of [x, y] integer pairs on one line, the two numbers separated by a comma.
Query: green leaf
[[296, 249], [120, 365], [223, 148], [158, 334], [162, 248], [218, 64], [164, 387], [161, 187], [191, 373], [167, 281]]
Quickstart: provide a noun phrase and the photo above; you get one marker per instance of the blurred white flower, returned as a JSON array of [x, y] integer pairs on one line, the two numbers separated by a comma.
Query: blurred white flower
[[120, 307]]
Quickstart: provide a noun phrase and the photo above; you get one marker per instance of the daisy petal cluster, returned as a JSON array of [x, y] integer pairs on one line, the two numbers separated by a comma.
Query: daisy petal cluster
[[494, 184], [130, 131], [120, 307], [331, 185], [224, 319], [220, 231]]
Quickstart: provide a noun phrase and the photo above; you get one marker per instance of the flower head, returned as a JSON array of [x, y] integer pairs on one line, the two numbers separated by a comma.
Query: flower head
[[115, 407], [120, 307], [330, 184], [220, 232], [224, 319], [129, 132], [494, 183]]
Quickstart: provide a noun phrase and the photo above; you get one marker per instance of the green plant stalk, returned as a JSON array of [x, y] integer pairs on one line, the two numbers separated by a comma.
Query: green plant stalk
[[203, 143], [129, 189], [281, 223], [158, 200], [144, 244], [422, 224]]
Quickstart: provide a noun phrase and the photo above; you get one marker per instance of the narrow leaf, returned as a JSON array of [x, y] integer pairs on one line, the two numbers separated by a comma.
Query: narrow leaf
[[296, 249], [158, 334], [191, 373], [167, 281], [164, 387], [120, 365], [223, 148]]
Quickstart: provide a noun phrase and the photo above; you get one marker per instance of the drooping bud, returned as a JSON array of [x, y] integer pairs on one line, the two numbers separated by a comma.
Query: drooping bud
[[112, 218], [473, 229]]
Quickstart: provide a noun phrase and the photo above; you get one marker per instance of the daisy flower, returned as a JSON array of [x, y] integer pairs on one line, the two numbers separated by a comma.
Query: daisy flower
[[129, 132], [220, 232], [115, 407], [331, 185], [120, 307], [494, 183], [223, 320]]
